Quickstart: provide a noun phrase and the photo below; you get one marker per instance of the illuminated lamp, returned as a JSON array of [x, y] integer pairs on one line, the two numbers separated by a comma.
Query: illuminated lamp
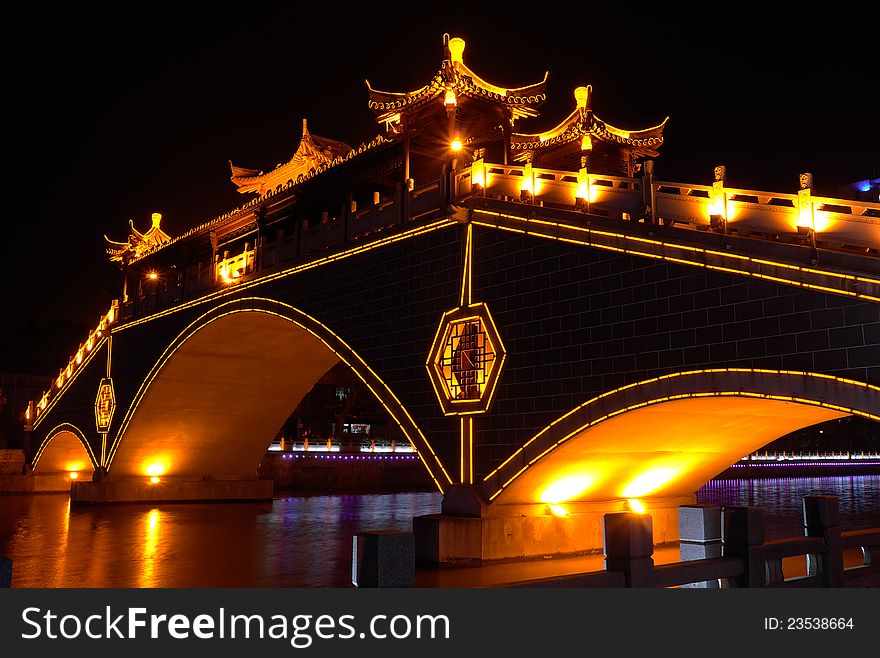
[[636, 505], [154, 471], [73, 475], [152, 276], [456, 144]]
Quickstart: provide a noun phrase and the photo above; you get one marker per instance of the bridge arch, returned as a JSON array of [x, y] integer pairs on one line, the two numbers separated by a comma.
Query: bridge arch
[[65, 450], [667, 436], [213, 402]]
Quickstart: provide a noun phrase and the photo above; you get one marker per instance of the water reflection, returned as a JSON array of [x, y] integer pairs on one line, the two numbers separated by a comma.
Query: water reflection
[[151, 540], [290, 542]]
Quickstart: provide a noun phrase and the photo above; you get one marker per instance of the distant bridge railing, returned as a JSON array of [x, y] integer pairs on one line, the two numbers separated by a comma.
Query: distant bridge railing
[[726, 547]]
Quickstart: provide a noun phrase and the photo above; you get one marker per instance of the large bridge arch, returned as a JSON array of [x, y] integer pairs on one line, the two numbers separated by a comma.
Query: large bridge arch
[[214, 400], [65, 450], [666, 436]]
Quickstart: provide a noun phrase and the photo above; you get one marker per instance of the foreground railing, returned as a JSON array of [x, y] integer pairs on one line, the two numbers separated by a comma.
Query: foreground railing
[[726, 547], [719, 547]]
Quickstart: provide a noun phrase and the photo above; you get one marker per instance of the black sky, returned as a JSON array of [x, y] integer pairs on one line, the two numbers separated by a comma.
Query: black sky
[[111, 117]]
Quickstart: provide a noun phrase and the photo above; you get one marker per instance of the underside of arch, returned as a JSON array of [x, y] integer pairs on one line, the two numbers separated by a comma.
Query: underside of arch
[[216, 399], [64, 451], [665, 438]]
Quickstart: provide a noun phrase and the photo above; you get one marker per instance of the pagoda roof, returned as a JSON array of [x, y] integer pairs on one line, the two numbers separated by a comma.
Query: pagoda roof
[[313, 152], [226, 218], [138, 243], [454, 75], [582, 122]]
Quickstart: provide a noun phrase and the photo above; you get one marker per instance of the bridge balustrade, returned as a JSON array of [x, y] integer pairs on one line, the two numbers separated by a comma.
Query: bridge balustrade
[[842, 225], [838, 224], [746, 560]]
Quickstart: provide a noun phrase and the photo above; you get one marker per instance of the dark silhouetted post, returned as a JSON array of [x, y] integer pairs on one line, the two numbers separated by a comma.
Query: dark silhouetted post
[[742, 536], [821, 519], [628, 541], [5, 571], [383, 559]]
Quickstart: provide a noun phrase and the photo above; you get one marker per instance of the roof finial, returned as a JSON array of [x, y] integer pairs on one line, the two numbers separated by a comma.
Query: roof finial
[[305, 127], [456, 49], [157, 219], [582, 96]]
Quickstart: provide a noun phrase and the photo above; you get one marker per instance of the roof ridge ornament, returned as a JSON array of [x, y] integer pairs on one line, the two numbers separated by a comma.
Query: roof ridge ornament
[[138, 243], [456, 50]]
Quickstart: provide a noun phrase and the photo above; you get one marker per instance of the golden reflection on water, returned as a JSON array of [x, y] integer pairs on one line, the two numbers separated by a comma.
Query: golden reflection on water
[[301, 541], [151, 542]]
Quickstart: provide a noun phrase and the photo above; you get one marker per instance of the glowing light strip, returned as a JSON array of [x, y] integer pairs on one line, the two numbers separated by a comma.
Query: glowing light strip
[[104, 434], [61, 429], [668, 398], [467, 267], [245, 285], [670, 245], [467, 450], [175, 345], [44, 412], [674, 245], [684, 374]]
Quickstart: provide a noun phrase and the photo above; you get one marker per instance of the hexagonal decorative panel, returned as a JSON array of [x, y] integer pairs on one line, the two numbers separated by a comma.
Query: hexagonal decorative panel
[[465, 360], [105, 405]]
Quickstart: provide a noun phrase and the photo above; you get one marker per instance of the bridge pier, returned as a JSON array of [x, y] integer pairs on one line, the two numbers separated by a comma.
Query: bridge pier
[[142, 490], [470, 531]]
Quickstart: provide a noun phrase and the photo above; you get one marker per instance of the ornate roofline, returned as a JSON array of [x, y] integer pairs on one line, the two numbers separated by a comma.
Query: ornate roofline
[[220, 220], [311, 152], [454, 75], [582, 122]]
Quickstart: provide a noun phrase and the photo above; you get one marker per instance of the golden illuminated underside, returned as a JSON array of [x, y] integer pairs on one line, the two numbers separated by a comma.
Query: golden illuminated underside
[[65, 453], [218, 402], [660, 451]]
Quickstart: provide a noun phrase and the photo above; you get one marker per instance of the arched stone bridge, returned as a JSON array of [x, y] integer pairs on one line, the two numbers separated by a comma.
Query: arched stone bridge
[[626, 359]]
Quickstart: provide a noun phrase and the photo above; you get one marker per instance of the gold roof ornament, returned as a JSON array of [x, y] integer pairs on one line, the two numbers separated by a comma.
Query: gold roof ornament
[[138, 243], [312, 152], [456, 77], [582, 123]]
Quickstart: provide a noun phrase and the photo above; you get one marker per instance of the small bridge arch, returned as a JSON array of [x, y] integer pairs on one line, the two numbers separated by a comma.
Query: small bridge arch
[[215, 399], [65, 450], [665, 437]]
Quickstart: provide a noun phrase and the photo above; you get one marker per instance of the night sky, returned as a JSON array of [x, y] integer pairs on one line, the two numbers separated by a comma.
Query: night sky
[[112, 117]]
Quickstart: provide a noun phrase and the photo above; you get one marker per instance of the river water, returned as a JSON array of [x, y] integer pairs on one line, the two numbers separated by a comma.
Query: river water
[[301, 541]]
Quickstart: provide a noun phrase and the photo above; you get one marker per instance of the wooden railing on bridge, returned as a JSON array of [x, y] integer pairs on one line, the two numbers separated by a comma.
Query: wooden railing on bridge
[[727, 547]]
